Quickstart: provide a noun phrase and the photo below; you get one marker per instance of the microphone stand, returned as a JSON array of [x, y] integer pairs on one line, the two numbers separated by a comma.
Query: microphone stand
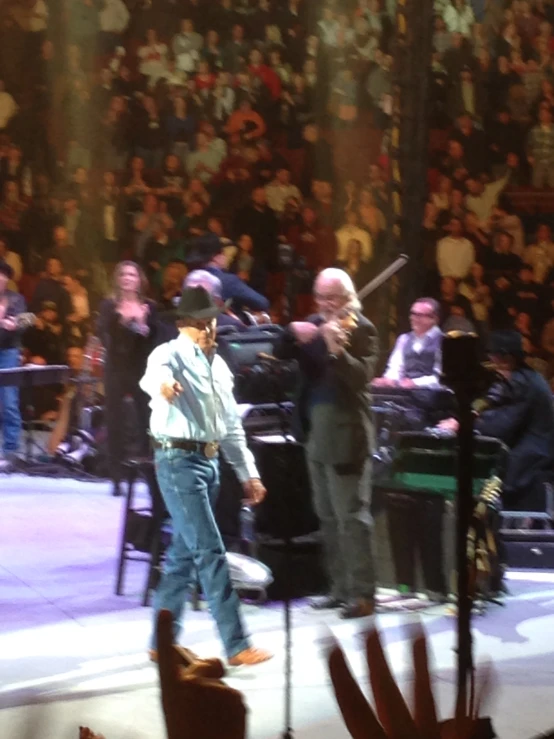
[[281, 458], [464, 374]]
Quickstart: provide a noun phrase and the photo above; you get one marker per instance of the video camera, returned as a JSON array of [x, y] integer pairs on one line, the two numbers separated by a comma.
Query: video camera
[[260, 377]]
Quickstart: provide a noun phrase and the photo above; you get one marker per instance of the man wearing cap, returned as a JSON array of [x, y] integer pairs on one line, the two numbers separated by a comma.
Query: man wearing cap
[[212, 257], [11, 305], [519, 411], [194, 415]]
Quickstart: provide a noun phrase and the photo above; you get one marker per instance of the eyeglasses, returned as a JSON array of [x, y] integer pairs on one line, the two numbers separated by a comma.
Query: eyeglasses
[[421, 315], [330, 297]]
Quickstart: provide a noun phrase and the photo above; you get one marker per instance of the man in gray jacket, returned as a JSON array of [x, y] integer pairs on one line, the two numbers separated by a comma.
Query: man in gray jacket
[[337, 350]]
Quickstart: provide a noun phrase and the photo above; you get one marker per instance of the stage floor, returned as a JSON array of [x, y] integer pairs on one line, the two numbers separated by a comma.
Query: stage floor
[[72, 653]]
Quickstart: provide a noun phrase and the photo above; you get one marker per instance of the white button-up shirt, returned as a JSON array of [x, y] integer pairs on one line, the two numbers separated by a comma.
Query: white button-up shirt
[[395, 367], [205, 410]]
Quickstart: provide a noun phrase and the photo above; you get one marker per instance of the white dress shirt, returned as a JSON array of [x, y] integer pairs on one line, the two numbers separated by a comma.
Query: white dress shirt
[[483, 204], [206, 409], [395, 366]]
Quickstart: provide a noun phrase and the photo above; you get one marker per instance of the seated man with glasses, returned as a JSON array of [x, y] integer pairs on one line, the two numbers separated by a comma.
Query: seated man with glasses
[[416, 359]]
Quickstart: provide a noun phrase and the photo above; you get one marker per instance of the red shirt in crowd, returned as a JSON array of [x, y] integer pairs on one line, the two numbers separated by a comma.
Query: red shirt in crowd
[[269, 78], [204, 81]]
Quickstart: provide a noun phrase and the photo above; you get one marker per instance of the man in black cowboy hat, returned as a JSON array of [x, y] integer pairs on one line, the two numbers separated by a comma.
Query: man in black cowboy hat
[[209, 253], [11, 305], [194, 415], [520, 412]]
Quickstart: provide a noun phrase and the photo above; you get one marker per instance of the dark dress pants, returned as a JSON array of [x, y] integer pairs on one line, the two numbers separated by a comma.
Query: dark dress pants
[[118, 385], [342, 500]]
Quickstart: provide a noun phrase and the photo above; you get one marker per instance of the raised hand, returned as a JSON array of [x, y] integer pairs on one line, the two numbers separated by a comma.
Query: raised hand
[[391, 718], [334, 336], [195, 702], [303, 331], [8, 324], [86, 733], [142, 312]]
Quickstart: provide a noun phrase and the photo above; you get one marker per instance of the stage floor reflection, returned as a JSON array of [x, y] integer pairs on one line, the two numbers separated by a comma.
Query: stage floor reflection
[[72, 653]]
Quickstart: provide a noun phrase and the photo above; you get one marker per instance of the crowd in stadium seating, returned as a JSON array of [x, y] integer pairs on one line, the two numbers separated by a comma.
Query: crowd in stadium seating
[[493, 143], [128, 129]]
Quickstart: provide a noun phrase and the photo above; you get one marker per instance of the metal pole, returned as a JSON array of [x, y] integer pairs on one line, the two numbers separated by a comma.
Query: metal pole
[[464, 512]]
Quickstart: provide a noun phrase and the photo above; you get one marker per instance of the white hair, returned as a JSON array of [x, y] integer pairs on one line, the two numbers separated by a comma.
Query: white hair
[[205, 279], [343, 281]]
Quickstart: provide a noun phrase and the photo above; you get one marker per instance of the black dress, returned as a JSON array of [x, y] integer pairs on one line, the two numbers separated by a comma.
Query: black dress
[[126, 355]]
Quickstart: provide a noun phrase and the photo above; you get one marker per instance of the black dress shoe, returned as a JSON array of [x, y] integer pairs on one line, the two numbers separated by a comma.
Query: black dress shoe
[[358, 609], [326, 602]]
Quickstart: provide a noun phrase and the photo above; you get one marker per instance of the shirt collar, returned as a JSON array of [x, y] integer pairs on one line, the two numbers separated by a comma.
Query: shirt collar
[[432, 332], [188, 346]]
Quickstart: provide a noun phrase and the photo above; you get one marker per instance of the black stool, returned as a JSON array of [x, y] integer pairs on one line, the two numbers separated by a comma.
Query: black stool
[[145, 531]]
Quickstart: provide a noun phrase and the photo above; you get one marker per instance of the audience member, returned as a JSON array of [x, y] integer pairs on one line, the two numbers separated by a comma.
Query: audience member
[[351, 230], [50, 289], [12, 259], [540, 255], [134, 131], [455, 253]]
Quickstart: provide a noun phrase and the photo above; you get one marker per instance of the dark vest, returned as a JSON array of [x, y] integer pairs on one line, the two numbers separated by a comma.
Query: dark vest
[[421, 365]]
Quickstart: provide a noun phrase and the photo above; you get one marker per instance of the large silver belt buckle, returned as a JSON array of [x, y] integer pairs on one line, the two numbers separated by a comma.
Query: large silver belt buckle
[[211, 449]]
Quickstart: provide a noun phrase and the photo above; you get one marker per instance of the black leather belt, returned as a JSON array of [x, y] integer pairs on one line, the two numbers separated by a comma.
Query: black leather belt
[[209, 449]]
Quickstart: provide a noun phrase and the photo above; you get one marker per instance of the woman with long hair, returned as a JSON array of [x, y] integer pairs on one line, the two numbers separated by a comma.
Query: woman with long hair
[[127, 330]]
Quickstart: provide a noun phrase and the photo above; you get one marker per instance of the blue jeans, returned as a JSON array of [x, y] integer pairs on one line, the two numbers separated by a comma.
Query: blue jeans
[[189, 483], [9, 404]]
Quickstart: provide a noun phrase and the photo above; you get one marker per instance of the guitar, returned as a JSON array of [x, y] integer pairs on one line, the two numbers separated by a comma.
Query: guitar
[[23, 321]]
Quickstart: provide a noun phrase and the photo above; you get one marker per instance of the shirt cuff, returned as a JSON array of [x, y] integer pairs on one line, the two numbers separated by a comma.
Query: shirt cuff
[[427, 381], [246, 472]]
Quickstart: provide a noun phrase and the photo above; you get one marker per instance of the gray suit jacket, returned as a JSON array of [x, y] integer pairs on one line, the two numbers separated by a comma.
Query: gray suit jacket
[[332, 411]]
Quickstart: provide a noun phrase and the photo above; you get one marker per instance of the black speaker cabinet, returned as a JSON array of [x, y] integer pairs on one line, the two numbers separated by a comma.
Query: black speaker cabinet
[[287, 509], [529, 549], [302, 575]]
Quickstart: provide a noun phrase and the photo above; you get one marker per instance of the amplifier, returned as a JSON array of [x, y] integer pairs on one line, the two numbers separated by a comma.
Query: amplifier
[[529, 555], [529, 549], [415, 542]]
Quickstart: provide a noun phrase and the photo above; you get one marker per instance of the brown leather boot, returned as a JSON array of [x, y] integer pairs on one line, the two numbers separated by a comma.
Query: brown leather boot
[[361, 608], [250, 656], [211, 667]]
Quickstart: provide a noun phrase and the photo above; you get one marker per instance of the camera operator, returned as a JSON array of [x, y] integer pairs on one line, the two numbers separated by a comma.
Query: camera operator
[[210, 255], [337, 350]]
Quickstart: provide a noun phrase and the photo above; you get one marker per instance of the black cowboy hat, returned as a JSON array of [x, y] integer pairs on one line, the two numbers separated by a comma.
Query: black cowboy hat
[[203, 249], [5, 269], [196, 302], [506, 342]]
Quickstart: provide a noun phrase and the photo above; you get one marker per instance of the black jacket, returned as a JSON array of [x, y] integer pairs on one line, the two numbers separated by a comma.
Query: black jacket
[[52, 291], [126, 350], [233, 288], [332, 410], [16, 305], [522, 416]]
